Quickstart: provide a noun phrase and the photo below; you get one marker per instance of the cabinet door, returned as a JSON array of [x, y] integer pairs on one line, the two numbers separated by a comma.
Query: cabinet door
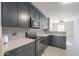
[[59, 41], [32, 12], [54, 41], [36, 14], [28, 52], [41, 21], [45, 22], [23, 14], [9, 14]]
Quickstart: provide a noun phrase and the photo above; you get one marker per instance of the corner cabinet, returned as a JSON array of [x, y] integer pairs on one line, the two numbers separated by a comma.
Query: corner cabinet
[[9, 14], [57, 41]]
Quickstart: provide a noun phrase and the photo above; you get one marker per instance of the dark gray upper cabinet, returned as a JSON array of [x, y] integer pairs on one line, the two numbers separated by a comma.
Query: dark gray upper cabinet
[[41, 21], [37, 16], [44, 22], [19, 14], [9, 14], [34, 12], [23, 14]]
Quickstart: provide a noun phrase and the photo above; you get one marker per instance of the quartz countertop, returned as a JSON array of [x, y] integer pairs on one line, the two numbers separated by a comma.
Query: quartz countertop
[[46, 34], [12, 44]]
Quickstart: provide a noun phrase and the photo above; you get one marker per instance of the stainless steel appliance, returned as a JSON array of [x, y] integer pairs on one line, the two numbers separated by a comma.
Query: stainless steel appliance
[[34, 23], [40, 46]]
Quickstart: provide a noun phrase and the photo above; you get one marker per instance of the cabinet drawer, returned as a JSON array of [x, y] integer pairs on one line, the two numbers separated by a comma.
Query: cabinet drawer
[[25, 47], [25, 53], [28, 52]]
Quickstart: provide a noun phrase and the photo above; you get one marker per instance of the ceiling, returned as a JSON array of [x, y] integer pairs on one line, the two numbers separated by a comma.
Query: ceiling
[[59, 11]]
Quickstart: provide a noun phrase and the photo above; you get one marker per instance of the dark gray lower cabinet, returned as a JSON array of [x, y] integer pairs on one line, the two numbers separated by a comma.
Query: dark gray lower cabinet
[[57, 41], [26, 50], [29, 52], [49, 39]]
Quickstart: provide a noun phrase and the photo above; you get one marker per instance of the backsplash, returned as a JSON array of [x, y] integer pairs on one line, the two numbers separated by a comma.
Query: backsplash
[[13, 33], [18, 33]]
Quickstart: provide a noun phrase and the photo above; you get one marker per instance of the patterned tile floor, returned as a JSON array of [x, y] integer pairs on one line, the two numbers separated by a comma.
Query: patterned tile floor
[[72, 49], [54, 51]]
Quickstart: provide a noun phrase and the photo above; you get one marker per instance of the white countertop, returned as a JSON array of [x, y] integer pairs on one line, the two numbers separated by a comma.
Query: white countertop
[[15, 43], [12, 44], [46, 34]]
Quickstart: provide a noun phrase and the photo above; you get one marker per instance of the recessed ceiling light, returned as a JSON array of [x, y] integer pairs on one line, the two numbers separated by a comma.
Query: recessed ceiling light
[[66, 2]]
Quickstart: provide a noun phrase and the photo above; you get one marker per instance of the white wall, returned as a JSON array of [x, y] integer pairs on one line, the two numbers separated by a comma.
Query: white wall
[[1, 43], [53, 23], [69, 28], [69, 33], [76, 31], [55, 27]]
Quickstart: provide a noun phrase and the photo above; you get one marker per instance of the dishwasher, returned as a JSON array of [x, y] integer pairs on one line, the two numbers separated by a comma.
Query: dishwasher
[[40, 46]]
